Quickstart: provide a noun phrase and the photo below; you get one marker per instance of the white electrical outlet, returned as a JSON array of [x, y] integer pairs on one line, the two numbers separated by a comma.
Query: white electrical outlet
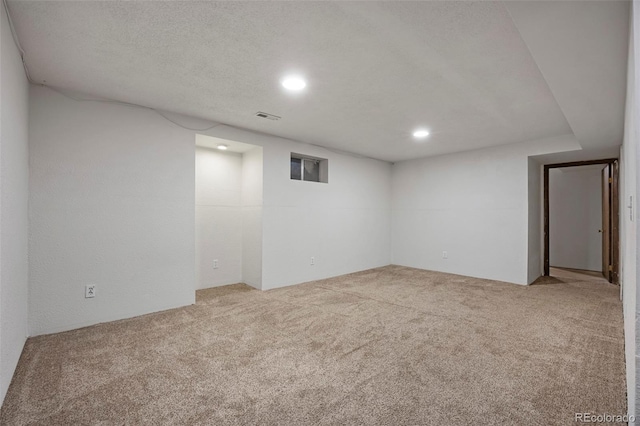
[[89, 291], [445, 255], [313, 261], [215, 264]]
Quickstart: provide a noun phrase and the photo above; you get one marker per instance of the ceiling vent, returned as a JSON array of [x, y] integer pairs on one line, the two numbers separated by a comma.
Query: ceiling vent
[[267, 116]]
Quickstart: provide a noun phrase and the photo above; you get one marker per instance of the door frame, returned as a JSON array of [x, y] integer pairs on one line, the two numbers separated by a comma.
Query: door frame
[[614, 211]]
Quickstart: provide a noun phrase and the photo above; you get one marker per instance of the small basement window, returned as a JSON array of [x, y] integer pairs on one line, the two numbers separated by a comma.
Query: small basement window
[[310, 169]]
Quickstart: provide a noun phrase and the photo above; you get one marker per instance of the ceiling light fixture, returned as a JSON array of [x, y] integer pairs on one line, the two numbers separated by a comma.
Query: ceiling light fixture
[[420, 134], [294, 83], [223, 147]]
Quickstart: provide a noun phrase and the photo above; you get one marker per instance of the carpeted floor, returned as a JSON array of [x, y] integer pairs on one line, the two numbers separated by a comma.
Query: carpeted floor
[[388, 346], [576, 274]]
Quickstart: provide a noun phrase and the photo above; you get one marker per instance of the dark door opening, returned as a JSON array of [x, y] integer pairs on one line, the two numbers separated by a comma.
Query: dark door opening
[[610, 216]]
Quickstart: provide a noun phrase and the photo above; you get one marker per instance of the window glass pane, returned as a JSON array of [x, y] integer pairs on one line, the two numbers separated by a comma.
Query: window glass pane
[[296, 166], [312, 170]]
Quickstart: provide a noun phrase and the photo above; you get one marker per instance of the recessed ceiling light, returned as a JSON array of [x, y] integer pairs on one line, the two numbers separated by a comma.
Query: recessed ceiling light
[[294, 83], [420, 133], [223, 147]]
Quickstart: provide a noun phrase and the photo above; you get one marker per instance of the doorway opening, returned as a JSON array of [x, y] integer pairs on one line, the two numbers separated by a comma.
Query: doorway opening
[[228, 212], [581, 218]]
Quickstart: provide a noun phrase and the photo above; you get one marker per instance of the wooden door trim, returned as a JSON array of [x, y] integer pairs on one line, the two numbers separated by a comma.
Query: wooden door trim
[[615, 223], [614, 209], [607, 229]]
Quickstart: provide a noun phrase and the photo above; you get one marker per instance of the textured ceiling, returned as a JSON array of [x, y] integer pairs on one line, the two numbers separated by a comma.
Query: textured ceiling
[[210, 142], [581, 49], [375, 70]]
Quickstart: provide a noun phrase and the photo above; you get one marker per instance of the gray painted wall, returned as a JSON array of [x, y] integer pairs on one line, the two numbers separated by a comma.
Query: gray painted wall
[[14, 186], [575, 216]]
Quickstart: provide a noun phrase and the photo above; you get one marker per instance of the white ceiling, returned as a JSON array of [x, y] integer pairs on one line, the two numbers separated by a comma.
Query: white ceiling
[[232, 146], [476, 74], [581, 49]]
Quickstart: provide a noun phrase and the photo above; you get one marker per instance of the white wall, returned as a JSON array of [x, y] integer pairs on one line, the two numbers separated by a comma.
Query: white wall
[[575, 216], [14, 180], [228, 217], [252, 171], [342, 224], [474, 205], [629, 160], [218, 217], [535, 233], [112, 204]]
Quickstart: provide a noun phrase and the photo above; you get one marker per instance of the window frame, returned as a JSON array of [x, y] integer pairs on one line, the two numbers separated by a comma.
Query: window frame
[[322, 164]]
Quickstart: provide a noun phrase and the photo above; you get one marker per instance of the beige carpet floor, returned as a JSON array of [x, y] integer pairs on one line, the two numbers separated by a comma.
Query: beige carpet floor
[[388, 346], [576, 274]]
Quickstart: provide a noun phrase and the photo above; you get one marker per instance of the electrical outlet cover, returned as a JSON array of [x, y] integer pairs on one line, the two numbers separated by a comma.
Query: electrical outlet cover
[[89, 291]]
